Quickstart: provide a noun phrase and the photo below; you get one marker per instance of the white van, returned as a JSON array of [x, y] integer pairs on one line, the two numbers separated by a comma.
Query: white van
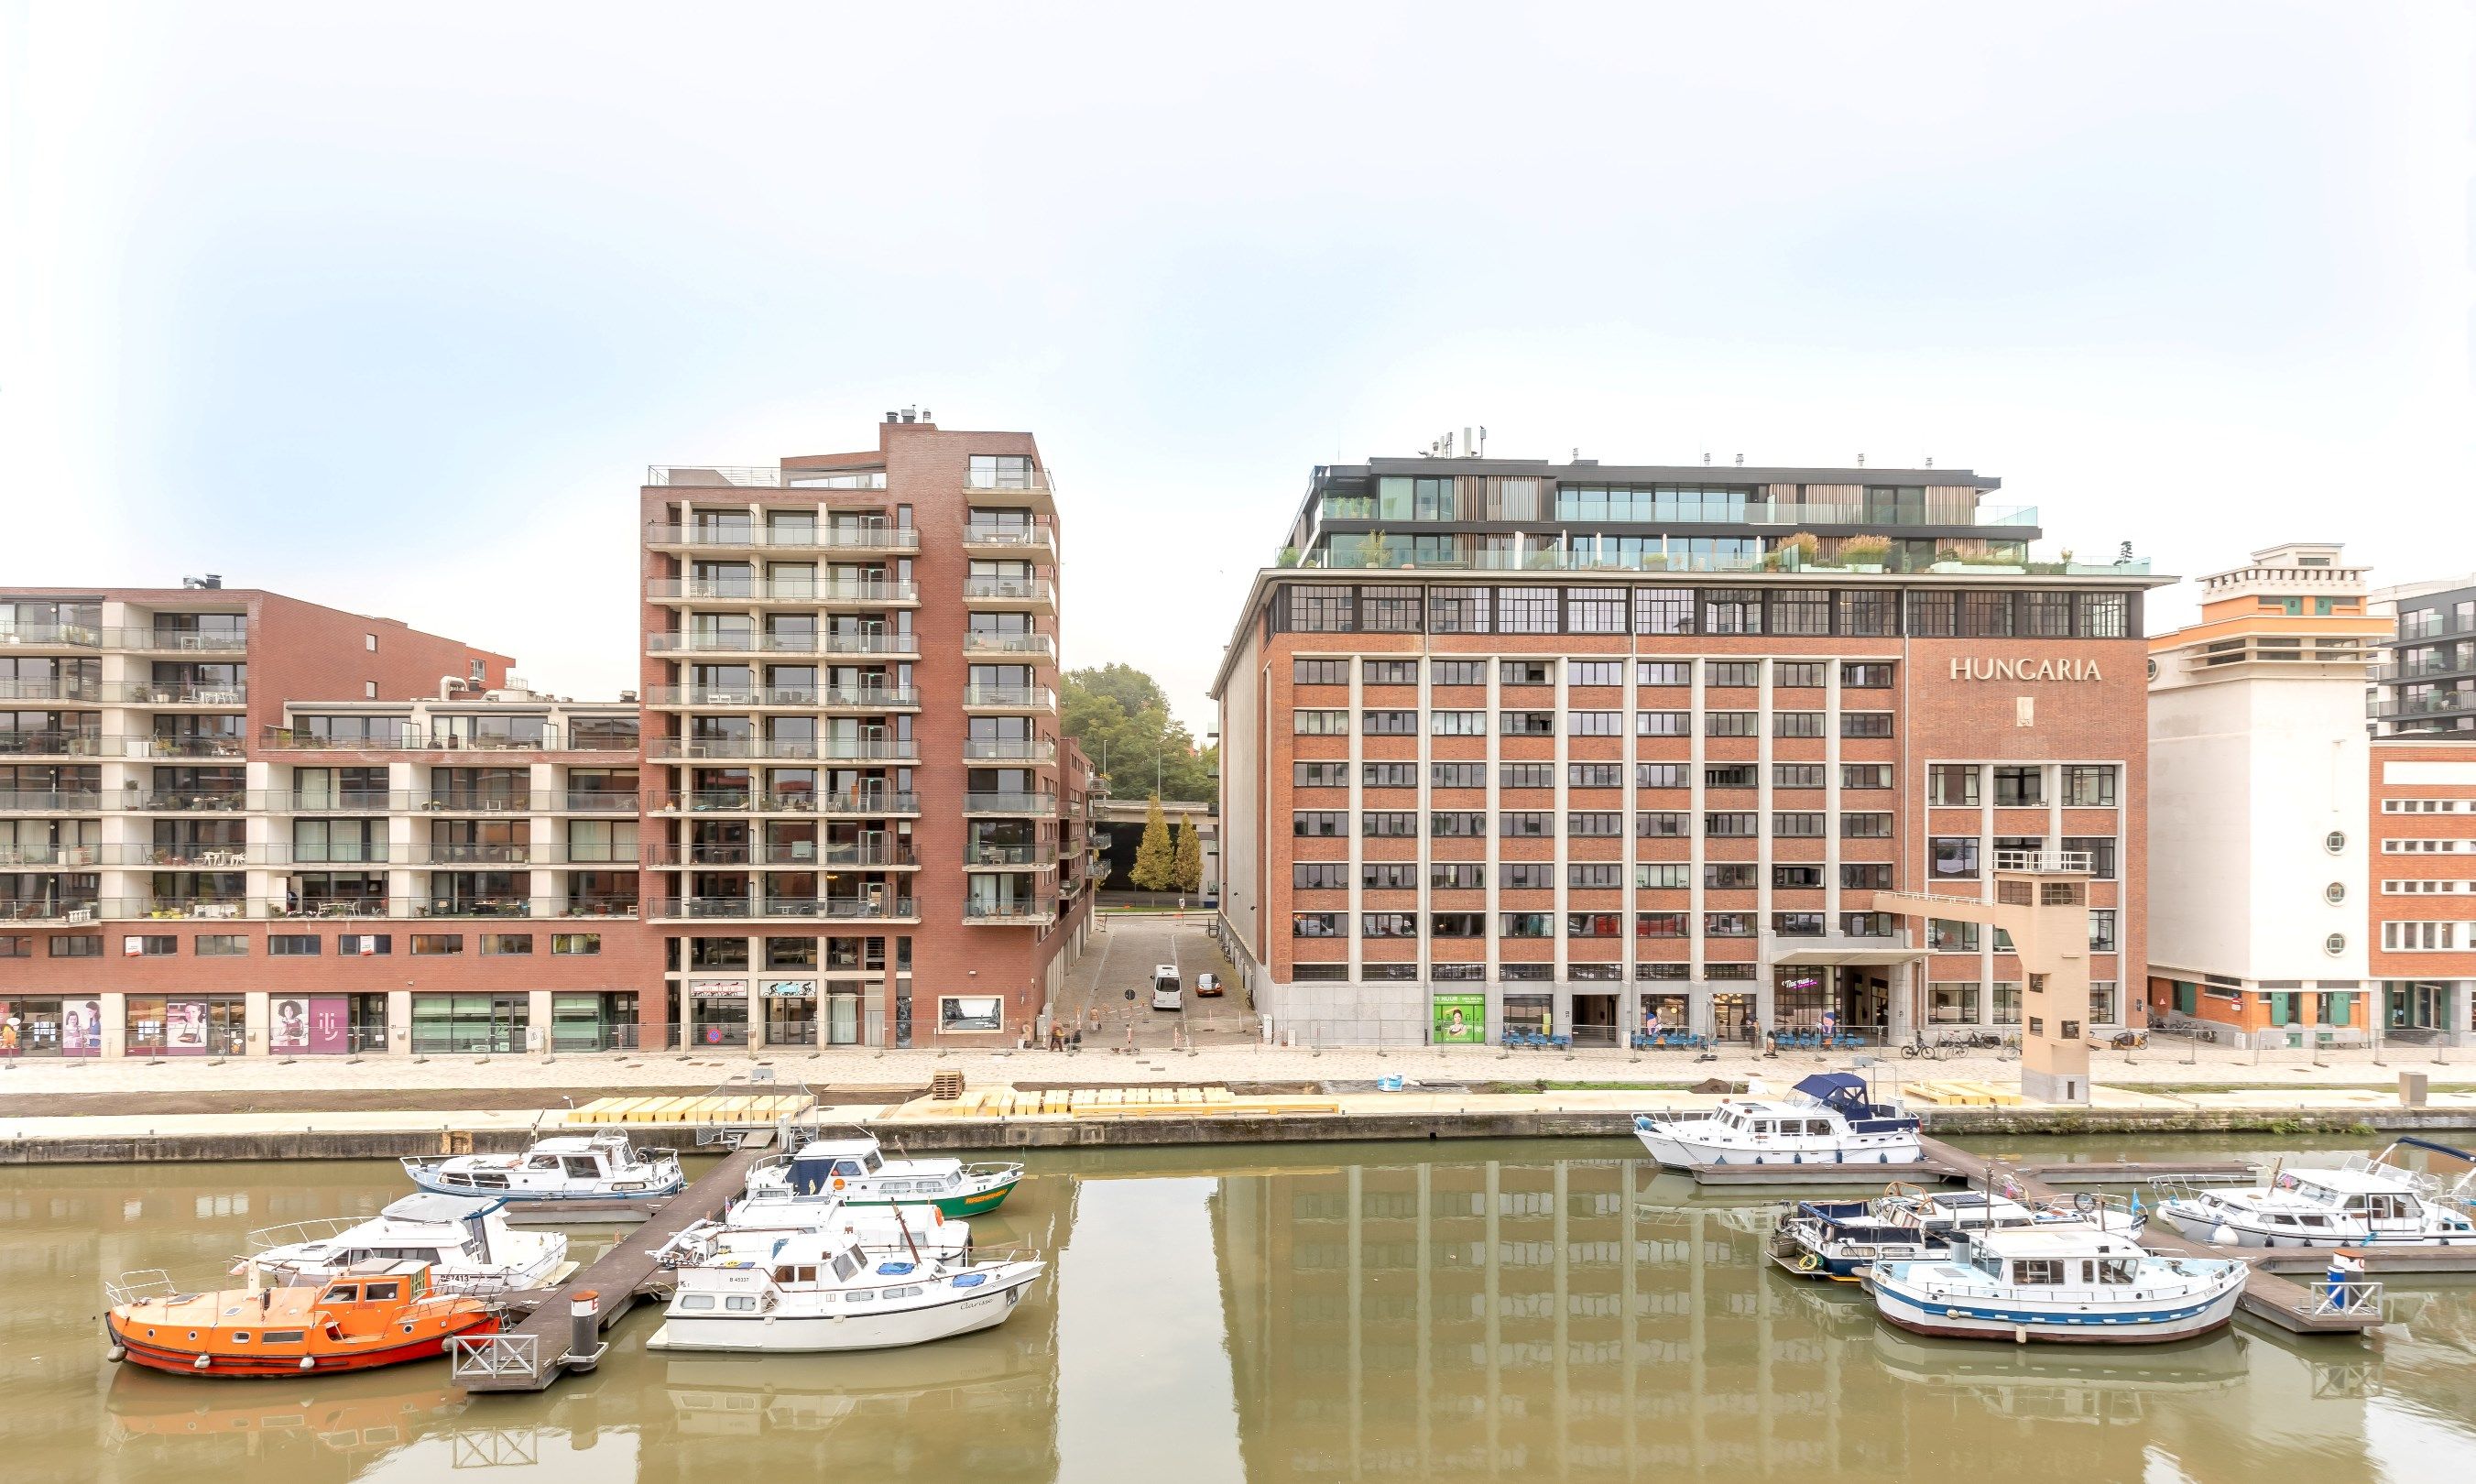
[[1165, 995]]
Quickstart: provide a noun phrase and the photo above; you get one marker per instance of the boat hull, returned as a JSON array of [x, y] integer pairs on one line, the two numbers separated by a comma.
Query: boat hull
[[1992, 1319], [1678, 1151], [981, 1309], [618, 1190], [229, 1365], [966, 1204], [2200, 1225]]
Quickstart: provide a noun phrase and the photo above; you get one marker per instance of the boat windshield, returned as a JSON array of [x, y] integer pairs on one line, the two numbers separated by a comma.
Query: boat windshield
[[1989, 1264]]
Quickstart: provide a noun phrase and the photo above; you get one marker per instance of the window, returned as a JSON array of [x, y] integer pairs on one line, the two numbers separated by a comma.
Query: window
[[1524, 824], [1732, 824], [1457, 876], [1865, 724], [2088, 786], [1389, 775], [1528, 876], [149, 946], [1727, 925], [1865, 827], [1457, 724], [1319, 823], [1595, 775], [1527, 610], [2334, 842], [1796, 675], [1594, 723], [364, 945], [1867, 611], [1319, 875], [1595, 672], [370, 642], [1659, 925], [1320, 775], [1659, 775], [1800, 610], [1595, 875], [577, 945], [1734, 775], [1593, 824], [1729, 876], [1659, 824], [1797, 826], [1663, 673], [1953, 784], [1796, 878], [436, 944], [1661, 724], [1457, 610], [1950, 937], [1595, 610], [1593, 924], [1456, 824], [1320, 672], [1388, 724], [1797, 775], [2101, 921], [1797, 925], [1933, 616], [2105, 615], [1796, 724], [2018, 787], [1728, 611], [507, 945], [1865, 674], [1952, 1003], [1388, 824], [1457, 775], [293, 945], [1665, 875], [221, 945], [2048, 615], [1320, 724], [2334, 944], [1320, 609], [1663, 611], [2334, 893], [1866, 876], [1456, 925], [1528, 925], [1865, 774], [1953, 857], [1388, 924], [1526, 774], [1316, 924], [1389, 672], [1985, 615], [1527, 723], [1734, 674], [2100, 849], [1389, 610], [1458, 672], [1731, 723]]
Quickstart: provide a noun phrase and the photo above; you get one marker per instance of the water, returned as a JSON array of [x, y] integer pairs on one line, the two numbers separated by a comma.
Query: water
[[1502, 1311]]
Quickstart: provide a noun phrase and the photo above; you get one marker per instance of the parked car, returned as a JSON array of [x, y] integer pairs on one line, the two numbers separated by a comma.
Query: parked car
[[1208, 985], [1165, 990]]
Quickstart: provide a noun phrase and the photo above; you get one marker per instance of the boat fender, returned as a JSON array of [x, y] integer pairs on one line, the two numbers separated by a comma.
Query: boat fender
[[116, 1352], [308, 1362], [201, 1363], [1808, 1262], [2084, 1202], [2223, 1235], [2020, 1334]]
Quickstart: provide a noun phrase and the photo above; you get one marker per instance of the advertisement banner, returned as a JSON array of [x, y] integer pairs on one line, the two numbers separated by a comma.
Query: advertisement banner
[[1461, 1020], [287, 1023], [82, 1028], [331, 1024], [184, 1026]]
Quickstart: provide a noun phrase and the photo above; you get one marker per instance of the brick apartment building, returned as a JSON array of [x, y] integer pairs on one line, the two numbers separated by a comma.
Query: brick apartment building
[[235, 823], [1509, 745], [2421, 927]]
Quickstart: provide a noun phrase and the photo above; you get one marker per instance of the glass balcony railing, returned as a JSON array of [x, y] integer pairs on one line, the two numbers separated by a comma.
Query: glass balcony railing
[[866, 802], [1031, 698], [891, 592], [760, 477], [1008, 802], [1352, 553], [52, 636], [183, 641], [874, 537]]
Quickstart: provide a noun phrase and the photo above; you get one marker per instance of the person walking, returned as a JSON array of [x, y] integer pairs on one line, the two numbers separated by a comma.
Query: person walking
[[1754, 1033]]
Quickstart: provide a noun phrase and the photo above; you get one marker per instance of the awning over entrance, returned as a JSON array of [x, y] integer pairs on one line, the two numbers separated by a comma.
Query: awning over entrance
[[1843, 957]]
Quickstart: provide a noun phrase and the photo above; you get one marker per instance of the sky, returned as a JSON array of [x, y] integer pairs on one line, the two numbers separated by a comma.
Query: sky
[[388, 307]]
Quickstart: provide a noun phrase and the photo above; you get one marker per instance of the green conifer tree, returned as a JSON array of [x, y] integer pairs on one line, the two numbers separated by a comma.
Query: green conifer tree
[[1190, 855]]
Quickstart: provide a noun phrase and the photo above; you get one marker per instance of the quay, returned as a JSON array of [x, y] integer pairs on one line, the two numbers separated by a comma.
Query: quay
[[545, 1344], [1935, 1172]]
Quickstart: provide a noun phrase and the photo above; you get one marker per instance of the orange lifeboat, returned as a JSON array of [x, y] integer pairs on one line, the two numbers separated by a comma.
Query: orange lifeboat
[[372, 1313]]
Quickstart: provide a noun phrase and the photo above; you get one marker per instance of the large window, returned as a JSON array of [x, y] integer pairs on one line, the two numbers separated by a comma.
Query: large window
[[1457, 610], [1389, 610], [1952, 784], [1801, 610], [1953, 857], [1595, 610], [1952, 1003], [2018, 787], [1727, 610], [1527, 610], [2088, 786], [1866, 611], [1316, 610]]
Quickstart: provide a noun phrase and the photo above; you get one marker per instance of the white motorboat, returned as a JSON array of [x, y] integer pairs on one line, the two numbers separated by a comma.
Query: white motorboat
[[853, 1167], [822, 1291], [1842, 1239], [465, 1240], [1829, 1119], [753, 1223], [2070, 1285], [566, 1167], [2365, 1202]]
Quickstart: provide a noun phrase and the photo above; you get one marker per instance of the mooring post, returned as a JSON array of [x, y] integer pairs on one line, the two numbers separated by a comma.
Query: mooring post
[[583, 1329]]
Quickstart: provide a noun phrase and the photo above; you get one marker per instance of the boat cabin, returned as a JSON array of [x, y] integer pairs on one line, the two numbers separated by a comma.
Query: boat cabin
[[2052, 1259], [817, 1166]]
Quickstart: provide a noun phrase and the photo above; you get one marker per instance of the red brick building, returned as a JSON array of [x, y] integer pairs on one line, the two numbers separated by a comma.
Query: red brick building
[[1592, 749], [2422, 905]]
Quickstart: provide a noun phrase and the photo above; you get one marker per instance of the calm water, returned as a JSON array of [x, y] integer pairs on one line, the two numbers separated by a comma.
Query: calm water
[[1515, 1311]]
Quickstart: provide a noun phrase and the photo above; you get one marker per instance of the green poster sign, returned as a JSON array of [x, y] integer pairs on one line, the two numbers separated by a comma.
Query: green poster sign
[[1461, 1020]]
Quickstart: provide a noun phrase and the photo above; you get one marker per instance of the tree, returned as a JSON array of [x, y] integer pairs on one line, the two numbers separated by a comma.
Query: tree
[[1121, 718], [1155, 858], [1190, 854]]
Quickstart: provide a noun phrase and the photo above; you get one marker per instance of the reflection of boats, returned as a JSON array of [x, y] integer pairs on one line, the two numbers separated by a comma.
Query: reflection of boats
[[1829, 1120], [821, 1291], [465, 1238], [853, 1166], [2365, 1201], [2073, 1284], [374, 1314], [143, 1404], [2091, 1385], [568, 1167], [1841, 1239], [730, 1396]]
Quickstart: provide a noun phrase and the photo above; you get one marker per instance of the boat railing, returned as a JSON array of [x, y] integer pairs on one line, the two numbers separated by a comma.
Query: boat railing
[[138, 1285], [489, 1357], [2363, 1296], [470, 1285], [292, 1233], [2423, 1184], [990, 1170], [2187, 1187]]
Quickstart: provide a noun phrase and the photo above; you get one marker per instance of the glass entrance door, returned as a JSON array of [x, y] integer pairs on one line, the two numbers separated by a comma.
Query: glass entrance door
[[842, 1018]]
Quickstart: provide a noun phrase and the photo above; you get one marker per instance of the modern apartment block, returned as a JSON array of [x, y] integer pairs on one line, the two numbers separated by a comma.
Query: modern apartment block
[[853, 773], [2423, 824], [2258, 767], [1578, 747]]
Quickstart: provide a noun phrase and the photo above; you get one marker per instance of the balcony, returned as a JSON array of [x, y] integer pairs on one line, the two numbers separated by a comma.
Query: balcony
[[2438, 705], [866, 595], [887, 908], [889, 646], [802, 750], [228, 749], [50, 688], [60, 744], [876, 539], [1013, 804], [52, 858], [484, 800], [1018, 489], [803, 698], [1039, 647], [1040, 855], [196, 857], [1035, 542], [1039, 752], [1959, 515], [350, 801], [760, 477], [1017, 912], [190, 801], [1011, 699], [71, 909], [857, 803], [1016, 594], [406, 738], [176, 693], [791, 854], [180, 909], [79, 636], [151, 641], [473, 852]]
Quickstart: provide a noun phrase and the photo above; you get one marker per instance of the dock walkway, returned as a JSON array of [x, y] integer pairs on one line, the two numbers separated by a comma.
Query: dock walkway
[[535, 1351]]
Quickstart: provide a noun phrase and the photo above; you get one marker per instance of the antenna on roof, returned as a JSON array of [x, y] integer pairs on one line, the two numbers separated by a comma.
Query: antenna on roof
[[1741, 461], [1929, 462], [1861, 460]]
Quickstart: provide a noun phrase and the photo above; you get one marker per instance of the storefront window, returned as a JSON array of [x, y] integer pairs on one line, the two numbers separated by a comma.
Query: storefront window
[[842, 1015], [2007, 1002], [312, 1024], [719, 1008], [51, 1026], [160, 1026], [593, 1023], [483, 1025], [1534, 1014], [1952, 1003], [1796, 997], [790, 1012]]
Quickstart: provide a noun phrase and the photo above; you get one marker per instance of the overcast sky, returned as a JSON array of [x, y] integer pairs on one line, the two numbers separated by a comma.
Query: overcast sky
[[392, 315]]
